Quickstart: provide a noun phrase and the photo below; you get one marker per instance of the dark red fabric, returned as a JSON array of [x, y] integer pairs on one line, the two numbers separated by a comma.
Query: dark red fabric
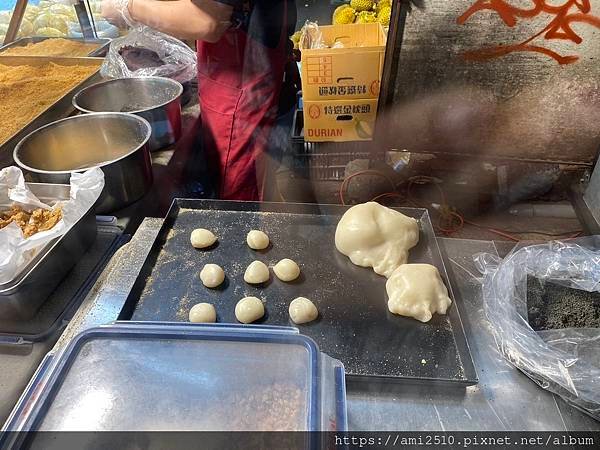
[[239, 82]]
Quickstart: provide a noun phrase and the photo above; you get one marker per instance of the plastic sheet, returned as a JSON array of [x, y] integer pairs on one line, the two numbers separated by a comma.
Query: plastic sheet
[[16, 250], [178, 61], [311, 37], [563, 361]]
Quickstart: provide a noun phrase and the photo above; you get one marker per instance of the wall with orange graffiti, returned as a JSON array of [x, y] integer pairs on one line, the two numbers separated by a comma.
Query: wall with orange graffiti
[[510, 78]]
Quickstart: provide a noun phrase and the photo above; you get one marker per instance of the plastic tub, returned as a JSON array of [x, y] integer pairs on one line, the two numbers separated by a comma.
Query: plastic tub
[[133, 376]]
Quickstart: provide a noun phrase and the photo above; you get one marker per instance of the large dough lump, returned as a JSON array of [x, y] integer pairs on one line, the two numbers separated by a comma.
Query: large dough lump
[[417, 290], [372, 235], [249, 309], [256, 273]]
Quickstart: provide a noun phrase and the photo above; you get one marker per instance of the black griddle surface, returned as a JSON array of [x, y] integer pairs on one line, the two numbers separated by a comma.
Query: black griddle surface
[[354, 323]]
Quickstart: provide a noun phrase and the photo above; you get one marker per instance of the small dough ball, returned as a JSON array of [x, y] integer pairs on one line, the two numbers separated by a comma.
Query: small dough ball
[[257, 240], [212, 275], [417, 290], [203, 313], [256, 273], [249, 309], [286, 270], [302, 310], [201, 238]]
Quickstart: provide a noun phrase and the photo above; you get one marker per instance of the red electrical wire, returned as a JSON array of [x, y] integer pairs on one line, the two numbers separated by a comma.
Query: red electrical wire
[[493, 230], [387, 195], [449, 221], [344, 186]]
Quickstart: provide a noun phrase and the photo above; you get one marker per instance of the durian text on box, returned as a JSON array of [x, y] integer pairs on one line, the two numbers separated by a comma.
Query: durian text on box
[[339, 120], [351, 71]]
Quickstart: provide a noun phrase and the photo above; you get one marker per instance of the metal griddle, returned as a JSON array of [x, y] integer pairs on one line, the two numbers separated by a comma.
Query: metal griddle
[[354, 326]]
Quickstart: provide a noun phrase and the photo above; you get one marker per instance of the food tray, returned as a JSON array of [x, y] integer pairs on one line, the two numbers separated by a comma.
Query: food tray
[[355, 325], [190, 377], [101, 50], [59, 109], [21, 297], [62, 303]]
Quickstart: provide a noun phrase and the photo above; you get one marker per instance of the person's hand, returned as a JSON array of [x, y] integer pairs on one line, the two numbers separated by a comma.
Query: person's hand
[[117, 12]]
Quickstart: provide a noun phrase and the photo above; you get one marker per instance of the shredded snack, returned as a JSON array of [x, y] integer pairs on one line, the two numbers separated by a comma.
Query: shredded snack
[[277, 408], [26, 91], [31, 223], [52, 47]]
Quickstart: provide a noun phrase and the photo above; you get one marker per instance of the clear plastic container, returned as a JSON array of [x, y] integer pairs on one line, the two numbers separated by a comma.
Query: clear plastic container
[[133, 376]]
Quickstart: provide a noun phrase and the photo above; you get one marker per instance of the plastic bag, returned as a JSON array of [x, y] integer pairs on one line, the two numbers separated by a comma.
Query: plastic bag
[[563, 361], [177, 60], [311, 37], [16, 250]]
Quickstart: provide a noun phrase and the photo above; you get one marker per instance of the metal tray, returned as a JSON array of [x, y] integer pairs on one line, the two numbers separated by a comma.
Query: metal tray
[[21, 297], [101, 50], [355, 325], [63, 107], [62, 303]]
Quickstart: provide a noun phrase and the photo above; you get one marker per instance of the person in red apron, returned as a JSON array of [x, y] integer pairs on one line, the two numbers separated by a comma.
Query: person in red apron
[[243, 49]]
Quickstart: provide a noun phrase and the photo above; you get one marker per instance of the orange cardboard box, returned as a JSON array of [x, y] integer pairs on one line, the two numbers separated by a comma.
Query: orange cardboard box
[[353, 71]]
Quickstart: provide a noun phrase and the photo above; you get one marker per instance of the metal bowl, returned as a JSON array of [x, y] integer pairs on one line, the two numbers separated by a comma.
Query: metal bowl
[[115, 142], [155, 99]]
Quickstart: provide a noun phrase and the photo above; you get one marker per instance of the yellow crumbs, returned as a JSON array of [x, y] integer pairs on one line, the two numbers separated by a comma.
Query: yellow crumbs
[[52, 47], [27, 91]]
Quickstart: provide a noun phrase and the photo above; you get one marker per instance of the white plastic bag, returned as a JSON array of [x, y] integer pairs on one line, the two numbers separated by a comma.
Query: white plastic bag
[[16, 250], [564, 361], [179, 61], [311, 37]]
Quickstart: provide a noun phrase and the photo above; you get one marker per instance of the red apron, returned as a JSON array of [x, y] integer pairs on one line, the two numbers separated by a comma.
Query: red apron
[[239, 81]]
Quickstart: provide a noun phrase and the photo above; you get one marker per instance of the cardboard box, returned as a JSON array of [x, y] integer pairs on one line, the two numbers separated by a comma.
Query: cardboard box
[[339, 120], [353, 71]]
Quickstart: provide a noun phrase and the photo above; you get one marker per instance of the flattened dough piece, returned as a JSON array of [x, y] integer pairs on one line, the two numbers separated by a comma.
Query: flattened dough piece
[[212, 275], [374, 236], [417, 290], [249, 309], [257, 240], [302, 310], [256, 273], [286, 270], [202, 238], [203, 313]]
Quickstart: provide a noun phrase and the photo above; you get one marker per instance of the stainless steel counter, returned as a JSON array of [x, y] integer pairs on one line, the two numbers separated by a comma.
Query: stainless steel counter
[[504, 399]]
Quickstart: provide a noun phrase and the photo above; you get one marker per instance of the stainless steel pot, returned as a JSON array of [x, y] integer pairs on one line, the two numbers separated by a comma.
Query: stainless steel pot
[[115, 142], [155, 99]]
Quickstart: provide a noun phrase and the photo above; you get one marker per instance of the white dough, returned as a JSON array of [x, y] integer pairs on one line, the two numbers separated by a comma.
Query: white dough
[[212, 275], [302, 310], [256, 273], [201, 238], [286, 270], [249, 309], [203, 313], [257, 240], [372, 235], [417, 290]]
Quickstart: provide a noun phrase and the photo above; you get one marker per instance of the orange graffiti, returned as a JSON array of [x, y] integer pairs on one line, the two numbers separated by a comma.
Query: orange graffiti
[[560, 27]]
